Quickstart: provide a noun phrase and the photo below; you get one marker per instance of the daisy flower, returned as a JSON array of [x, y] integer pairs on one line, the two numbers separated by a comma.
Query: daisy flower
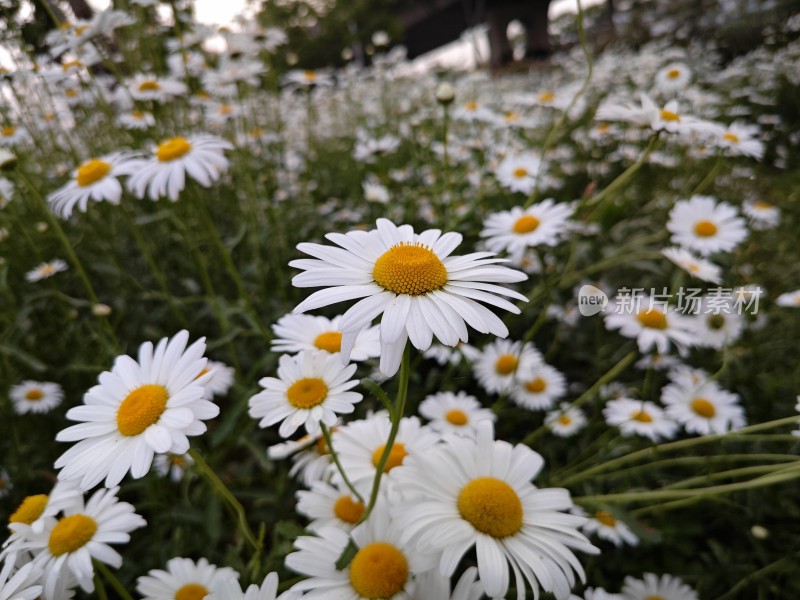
[[566, 421], [537, 387], [11, 135], [45, 270], [518, 173], [642, 418], [543, 224], [33, 511], [467, 493], [308, 78], [739, 139], [789, 299], [146, 87], [136, 120], [200, 156], [36, 397], [310, 456], [383, 567], [717, 323], [96, 180], [68, 545], [311, 387], [138, 409], [183, 578], [706, 226], [220, 378], [421, 290], [762, 215], [432, 585], [445, 355], [173, 465], [296, 333], [229, 589], [673, 77], [596, 594], [608, 528], [498, 363], [652, 325], [454, 413], [22, 584], [696, 267], [361, 445], [666, 587], [329, 506], [475, 112], [703, 407]]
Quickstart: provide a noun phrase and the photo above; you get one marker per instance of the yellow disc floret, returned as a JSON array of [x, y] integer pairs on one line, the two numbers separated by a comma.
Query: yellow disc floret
[[605, 518], [526, 224], [149, 86], [92, 171], [29, 510], [192, 591], [652, 318], [348, 510], [34, 395], [172, 149], [141, 408], [330, 341], [396, 456], [673, 73], [378, 570], [491, 506], [520, 172], [307, 392], [642, 417], [564, 420], [536, 386], [506, 364], [71, 533], [668, 115], [703, 407], [457, 417], [705, 228], [411, 269], [731, 137]]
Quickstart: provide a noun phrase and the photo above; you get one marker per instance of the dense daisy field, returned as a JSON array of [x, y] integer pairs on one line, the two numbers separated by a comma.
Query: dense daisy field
[[393, 333]]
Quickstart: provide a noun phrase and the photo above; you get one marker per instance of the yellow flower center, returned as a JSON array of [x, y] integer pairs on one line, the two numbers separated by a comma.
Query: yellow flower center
[[29, 510], [310, 75], [80, 29], [705, 228], [536, 386], [192, 591], [715, 322], [396, 456], [321, 446], [411, 269], [71, 93], [141, 408], [456, 417], [378, 570], [564, 420], [138, 115], [149, 86], [605, 518], [761, 205], [307, 392], [471, 106], [526, 224], [256, 132], [225, 109], [9, 131], [173, 148], [71, 64], [92, 171], [34, 395], [652, 318], [71, 533], [668, 115], [491, 506], [330, 341], [703, 407], [731, 137], [510, 117], [642, 417], [673, 73], [654, 597], [520, 172], [506, 364], [547, 96], [177, 460], [348, 510], [603, 128]]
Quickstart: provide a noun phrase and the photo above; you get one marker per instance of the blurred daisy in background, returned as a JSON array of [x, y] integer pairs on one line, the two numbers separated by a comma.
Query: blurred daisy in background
[[537, 387], [296, 333], [136, 119], [654, 326], [36, 396], [95, 180], [454, 413], [327, 505], [545, 223], [717, 323], [789, 299], [310, 456], [638, 417], [518, 172], [696, 267], [652, 586], [312, 388], [220, 378], [762, 215], [497, 365], [673, 77], [565, 421], [739, 139], [173, 466], [184, 578], [705, 225], [45, 270], [703, 407], [607, 527], [147, 87]]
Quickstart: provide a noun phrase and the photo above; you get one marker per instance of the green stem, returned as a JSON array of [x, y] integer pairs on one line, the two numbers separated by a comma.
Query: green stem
[[400, 406], [219, 486], [329, 441], [99, 588], [712, 174], [112, 580]]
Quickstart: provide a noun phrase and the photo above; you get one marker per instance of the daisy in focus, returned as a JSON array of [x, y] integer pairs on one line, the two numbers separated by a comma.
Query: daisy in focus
[[642, 418], [478, 493], [184, 578], [454, 413], [706, 226], [45, 270], [95, 180], [199, 156], [413, 281], [138, 409], [311, 387], [35, 397], [296, 333], [545, 223]]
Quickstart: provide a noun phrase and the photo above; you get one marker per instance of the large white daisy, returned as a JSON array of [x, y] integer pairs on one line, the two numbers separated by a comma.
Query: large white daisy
[[467, 493], [421, 290], [138, 409]]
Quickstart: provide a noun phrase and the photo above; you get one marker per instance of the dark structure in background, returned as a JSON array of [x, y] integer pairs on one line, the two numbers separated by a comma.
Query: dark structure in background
[[429, 24]]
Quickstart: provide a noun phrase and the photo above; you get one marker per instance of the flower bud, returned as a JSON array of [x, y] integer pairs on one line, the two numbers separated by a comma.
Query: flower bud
[[445, 94]]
